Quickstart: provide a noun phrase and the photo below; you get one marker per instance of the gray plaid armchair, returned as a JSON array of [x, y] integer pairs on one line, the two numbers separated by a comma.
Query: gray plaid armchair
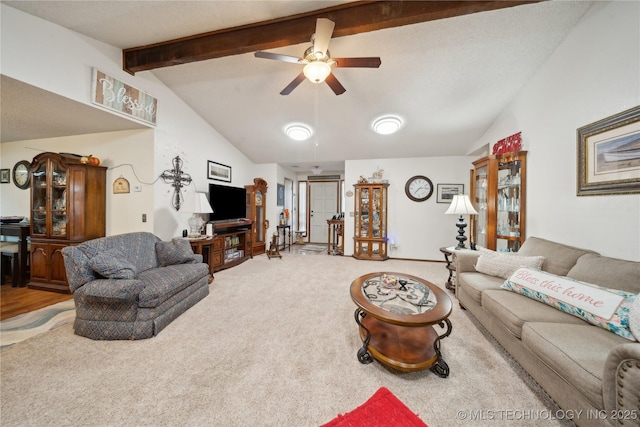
[[131, 286]]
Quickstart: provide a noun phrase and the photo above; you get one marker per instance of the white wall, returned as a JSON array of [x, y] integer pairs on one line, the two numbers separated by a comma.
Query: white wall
[[61, 61], [419, 228], [593, 74]]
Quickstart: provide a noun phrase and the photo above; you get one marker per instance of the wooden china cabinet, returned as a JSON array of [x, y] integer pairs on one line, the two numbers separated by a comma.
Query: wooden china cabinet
[[68, 205], [256, 211], [498, 189], [370, 233]]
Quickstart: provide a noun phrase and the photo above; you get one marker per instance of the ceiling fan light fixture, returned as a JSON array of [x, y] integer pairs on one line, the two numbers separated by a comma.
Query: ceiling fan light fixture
[[317, 71], [298, 132], [387, 125]]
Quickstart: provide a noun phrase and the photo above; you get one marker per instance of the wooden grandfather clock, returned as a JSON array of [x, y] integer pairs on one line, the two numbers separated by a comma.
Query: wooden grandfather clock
[[256, 211]]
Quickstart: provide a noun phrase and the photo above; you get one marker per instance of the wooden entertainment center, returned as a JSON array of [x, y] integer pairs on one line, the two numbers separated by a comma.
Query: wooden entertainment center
[[230, 245]]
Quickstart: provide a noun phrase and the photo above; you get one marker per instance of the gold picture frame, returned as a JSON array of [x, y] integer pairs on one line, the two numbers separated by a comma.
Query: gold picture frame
[[609, 155]]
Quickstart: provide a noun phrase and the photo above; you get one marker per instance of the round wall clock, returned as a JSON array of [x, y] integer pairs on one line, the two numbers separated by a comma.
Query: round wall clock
[[21, 176], [419, 188]]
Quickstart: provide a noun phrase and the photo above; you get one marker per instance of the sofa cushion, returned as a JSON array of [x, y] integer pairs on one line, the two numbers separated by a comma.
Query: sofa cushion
[[476, 283], [113, 265], [139, 248], [162, 283], [558, 258], [513, 310], [610, 272], [177, 251], [577, 353], [600, 306], [77, 267], [504, 264]]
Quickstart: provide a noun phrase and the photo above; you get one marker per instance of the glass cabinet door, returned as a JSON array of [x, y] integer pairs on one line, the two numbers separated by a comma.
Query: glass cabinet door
[[508, 206], [58, 201], [480, 202], [259, 225], [39, 200]]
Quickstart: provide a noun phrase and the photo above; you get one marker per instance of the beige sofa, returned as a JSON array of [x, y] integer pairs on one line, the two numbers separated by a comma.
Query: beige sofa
[[591, 373]]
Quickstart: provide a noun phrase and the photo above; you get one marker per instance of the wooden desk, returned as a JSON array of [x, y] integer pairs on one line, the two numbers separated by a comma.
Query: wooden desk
[[22, 231], [334, 236]]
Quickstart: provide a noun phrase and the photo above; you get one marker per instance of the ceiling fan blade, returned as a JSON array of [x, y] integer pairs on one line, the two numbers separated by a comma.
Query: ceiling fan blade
[[324, 29], [294, 84], [277, 57], [370, 62], [335, 85]]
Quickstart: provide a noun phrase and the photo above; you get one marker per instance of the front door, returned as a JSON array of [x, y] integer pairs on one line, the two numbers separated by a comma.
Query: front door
[[323, 198]]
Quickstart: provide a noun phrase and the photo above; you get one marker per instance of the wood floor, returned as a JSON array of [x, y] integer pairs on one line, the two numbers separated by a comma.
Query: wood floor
[[15, 301]]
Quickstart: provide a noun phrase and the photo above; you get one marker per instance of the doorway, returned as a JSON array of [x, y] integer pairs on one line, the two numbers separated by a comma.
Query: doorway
[[323, 201]]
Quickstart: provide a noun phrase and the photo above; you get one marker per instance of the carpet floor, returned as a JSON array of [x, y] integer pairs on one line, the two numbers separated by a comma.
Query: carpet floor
[[274, 344]]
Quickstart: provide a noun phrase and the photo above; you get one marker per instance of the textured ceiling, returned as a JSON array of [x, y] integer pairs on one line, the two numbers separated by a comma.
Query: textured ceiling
[[448, 79]]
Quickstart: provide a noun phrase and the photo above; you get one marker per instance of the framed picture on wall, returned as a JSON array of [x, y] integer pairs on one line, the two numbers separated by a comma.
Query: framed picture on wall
[[609, 155], [218, 171], [280, 195], [4, 176], [447, 191]]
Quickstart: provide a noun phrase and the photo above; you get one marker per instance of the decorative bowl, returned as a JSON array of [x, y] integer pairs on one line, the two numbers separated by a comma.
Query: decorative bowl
[[389, 281]]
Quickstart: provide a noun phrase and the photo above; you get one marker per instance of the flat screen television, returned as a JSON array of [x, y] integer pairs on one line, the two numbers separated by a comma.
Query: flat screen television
[[228, 203]]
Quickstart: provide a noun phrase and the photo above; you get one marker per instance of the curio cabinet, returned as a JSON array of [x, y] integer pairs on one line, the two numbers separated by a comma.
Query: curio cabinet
[[498, 189], [68, 204], [370, 233]]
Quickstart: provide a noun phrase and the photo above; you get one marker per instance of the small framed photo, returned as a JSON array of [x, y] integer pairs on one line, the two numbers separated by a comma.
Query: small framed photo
[[609, 155], [280, 195], [5, 176], [447, 191], [218, 171]]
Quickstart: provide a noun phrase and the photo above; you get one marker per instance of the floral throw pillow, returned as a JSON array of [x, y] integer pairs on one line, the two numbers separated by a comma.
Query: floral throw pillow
[[634, 319], [112, 264], [177, 251], [598, 305]]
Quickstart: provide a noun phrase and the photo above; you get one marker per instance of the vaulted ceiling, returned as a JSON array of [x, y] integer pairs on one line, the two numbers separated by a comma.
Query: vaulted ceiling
[[447, 76]]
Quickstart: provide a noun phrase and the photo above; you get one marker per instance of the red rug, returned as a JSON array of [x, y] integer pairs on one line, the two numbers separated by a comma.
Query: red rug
[[382, 409]]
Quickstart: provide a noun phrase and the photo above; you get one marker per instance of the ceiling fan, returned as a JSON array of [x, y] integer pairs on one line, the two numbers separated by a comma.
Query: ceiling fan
[[318, 62]]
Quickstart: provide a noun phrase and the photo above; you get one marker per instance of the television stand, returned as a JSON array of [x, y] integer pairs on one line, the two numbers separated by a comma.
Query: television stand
[[231, 243]]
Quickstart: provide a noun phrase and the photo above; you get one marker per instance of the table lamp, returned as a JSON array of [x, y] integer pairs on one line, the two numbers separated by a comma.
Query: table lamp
[[196, 203], [461, 205]]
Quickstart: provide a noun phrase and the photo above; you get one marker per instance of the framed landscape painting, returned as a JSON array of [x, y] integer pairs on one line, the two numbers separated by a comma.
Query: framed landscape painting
[[609, 155], [218, 171]]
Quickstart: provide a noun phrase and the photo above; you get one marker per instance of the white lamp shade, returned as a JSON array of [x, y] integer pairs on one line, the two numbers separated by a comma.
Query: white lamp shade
[[317, 71], [197, 203], [461, 205]]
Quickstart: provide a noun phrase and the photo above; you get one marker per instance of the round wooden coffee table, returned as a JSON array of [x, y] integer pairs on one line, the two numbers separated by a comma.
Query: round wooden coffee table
[[396, 313]]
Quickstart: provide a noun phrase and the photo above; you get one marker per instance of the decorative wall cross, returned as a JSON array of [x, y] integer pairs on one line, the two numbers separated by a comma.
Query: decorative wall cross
[[177, 179]]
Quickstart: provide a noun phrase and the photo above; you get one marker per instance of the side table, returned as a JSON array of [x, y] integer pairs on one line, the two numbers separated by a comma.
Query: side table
[[448, 252], [204, 247], [286, 234]]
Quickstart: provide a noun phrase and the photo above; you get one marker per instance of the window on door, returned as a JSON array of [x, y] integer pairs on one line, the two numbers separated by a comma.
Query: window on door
[[302, 207]]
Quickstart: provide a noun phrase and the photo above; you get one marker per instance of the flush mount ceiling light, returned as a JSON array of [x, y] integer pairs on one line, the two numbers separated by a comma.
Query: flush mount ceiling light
[[298, 132], [387, 125]]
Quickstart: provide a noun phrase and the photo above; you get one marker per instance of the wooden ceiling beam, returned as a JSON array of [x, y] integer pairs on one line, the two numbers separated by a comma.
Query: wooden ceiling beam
[[350, 18]]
